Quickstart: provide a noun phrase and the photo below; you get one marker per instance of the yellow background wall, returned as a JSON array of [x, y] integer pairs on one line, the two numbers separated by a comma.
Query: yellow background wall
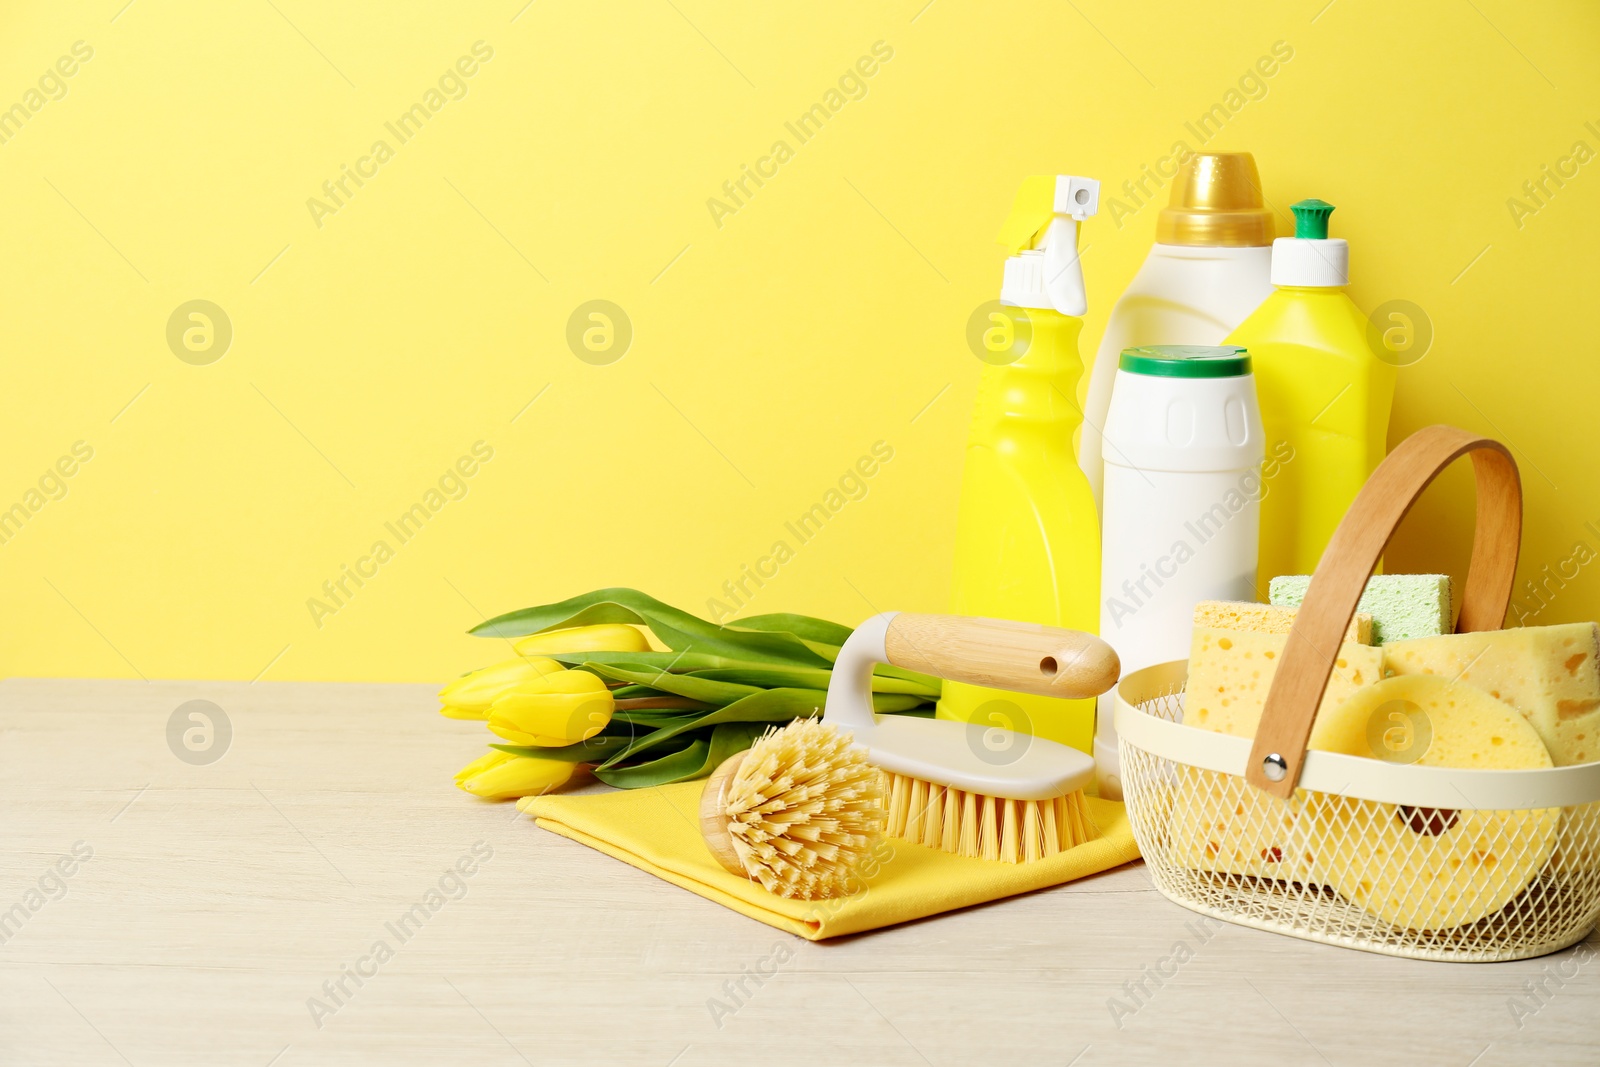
[[772, 347]]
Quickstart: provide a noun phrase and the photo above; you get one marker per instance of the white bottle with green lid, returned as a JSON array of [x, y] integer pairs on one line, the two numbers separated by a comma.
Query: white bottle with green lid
[[1182, 506]]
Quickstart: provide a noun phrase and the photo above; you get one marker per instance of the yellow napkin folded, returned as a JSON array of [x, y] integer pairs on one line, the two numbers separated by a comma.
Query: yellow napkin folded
[[658, 830]]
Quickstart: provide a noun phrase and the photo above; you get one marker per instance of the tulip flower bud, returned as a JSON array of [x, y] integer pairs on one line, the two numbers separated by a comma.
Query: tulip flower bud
[[469, 696], [553, 711], [503, 776], [604, 637]]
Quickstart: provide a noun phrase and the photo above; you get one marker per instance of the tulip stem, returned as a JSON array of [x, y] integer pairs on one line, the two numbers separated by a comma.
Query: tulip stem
[[673, 702]]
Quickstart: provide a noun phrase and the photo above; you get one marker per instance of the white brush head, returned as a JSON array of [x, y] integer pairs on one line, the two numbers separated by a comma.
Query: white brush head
[[954, 754]]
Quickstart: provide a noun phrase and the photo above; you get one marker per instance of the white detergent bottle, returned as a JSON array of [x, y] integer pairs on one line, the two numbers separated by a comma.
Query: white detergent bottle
[[1182, 514], [1209, 269]]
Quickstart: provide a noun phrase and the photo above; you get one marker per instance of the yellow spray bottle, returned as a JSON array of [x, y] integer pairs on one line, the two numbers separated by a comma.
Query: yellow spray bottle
[[1027, 530]]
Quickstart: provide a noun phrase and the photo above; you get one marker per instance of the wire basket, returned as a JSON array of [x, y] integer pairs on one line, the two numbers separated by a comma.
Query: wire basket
[[1218, 845], [1426, 862]]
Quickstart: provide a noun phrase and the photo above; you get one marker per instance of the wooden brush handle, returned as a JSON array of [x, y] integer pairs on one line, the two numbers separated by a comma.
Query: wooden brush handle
[[1347, 563], [999, 654], [713, 814]]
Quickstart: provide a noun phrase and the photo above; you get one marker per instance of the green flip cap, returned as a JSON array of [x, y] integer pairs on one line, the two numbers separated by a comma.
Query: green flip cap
[[1311, 218]]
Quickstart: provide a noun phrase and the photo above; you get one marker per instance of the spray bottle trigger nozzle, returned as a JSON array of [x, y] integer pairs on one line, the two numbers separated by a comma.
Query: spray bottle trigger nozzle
[[1042, 234], [1078, 197]]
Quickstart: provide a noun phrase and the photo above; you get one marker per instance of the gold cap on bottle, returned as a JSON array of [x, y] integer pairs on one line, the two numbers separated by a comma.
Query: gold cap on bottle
[[1216, 200]]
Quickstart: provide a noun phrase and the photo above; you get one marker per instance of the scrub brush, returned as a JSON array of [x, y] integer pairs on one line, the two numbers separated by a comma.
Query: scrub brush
[[797, 811], [951, 785]]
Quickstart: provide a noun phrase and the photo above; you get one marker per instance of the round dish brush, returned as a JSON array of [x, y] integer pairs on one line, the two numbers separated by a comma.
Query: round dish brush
[[797, 811]]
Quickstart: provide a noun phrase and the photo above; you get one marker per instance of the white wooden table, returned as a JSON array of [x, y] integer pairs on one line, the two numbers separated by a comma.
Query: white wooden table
[[220, 898]]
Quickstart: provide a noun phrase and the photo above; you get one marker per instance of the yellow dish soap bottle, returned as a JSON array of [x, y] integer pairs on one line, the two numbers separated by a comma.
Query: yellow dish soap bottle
[[1324, 396], [1027, 530]]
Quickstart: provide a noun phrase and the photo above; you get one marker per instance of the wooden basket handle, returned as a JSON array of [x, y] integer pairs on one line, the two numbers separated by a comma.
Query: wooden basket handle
[[1349, 560]]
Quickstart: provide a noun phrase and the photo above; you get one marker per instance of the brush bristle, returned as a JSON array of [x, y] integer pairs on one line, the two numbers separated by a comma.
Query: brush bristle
[[803, 810], [985, 827]]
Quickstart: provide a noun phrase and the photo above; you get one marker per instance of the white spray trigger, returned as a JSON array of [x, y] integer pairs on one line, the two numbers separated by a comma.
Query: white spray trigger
[[1049, 273]]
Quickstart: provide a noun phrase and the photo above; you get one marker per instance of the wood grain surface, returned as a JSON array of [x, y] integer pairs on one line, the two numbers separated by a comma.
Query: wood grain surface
[[1003, 654], [220, 898]]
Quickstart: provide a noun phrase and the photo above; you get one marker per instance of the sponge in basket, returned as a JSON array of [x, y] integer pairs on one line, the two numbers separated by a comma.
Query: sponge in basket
[[1230, 672], [1428, 868], [1268, 619], [1402, 606], [1219, 822], [1549, 673]]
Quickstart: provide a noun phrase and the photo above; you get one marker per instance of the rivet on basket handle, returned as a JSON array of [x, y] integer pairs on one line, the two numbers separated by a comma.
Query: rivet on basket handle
[[1349, 560]]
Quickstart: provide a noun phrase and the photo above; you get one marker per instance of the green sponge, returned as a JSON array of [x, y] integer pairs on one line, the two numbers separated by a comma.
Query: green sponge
[[1402, 606]]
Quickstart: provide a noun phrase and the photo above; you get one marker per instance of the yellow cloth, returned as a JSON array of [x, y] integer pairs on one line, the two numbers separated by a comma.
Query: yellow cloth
[[658, 830]]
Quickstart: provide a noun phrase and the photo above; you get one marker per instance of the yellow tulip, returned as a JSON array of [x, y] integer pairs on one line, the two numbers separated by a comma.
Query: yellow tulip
[[503, 776], [552, 711], [469, 696], [603, 637]]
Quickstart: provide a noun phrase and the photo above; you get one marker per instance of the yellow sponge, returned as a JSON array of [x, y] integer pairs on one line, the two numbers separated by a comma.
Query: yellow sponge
[[1548, 673], [1268, 619], [1224, 824], [1426, 868], [1230, 672], [1219, 822]]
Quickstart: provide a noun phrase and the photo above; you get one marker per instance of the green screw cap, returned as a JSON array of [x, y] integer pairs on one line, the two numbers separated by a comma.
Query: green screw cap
[[1186, 361], [1311, 218]]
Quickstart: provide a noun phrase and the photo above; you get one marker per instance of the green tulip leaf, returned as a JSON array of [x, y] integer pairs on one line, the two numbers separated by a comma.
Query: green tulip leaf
[[676, 629], [810, 678], [699, 759], [683, 685], [652, 718], [667, 661], [595, 750], [627, 692], [896, 703], [819, 635], [764, 706], [805, 627], [927, 681], [886, 678]]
